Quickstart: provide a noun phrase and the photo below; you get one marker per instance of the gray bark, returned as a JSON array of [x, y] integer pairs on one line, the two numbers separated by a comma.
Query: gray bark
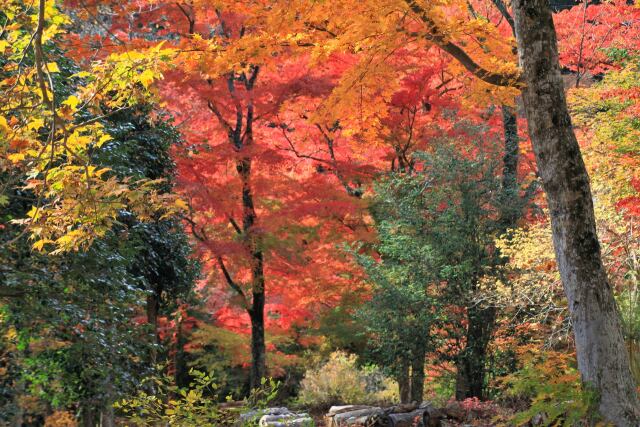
[[602, 357]]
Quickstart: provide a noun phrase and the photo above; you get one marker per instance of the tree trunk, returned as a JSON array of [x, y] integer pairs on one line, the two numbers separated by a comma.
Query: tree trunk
[[602, 357], [88, 416], [258, 348], [404, 384], [181, 374], [512, 206], [472, 360], [18, 392], [462, 379], [153, 308], [256, 312], [107, 415], [417, 375]]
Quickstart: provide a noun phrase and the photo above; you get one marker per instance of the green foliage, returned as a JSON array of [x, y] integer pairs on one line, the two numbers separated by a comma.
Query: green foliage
[[261, 397], [69, 335], [160, 402], [550, 382], [340, 381], [436, 257], [168, 404]]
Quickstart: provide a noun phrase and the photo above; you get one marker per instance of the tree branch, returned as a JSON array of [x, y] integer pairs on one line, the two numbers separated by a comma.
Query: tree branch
[[235, 225], [233, 285], [190, 19], [497, 79], [220, 118], [499, 4]]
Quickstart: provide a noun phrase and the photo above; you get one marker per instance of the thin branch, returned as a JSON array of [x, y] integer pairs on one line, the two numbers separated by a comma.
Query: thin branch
[[502, 8], [190, 19], [355, 192], [235, 225], [221, 119], [233, 285]]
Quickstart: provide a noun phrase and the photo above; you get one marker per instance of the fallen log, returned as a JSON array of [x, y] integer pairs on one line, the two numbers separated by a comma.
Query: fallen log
[[381, 420], [357, 417], [409, 419], [334, 410], [291, 420], [254, 415], [403, 407], [432, 416]]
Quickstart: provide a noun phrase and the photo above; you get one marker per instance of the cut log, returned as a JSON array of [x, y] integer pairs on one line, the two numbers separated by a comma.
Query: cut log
[[292, 420], [356, 417], [282, 417], [346, 408], [403, 408], [254, 415], [409, 419], [381, 420]]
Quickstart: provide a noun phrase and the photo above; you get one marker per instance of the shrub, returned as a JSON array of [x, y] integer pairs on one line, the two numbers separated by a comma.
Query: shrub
[[551, 383], [196, 405], [168, 404], [341, 381], [60, 419]]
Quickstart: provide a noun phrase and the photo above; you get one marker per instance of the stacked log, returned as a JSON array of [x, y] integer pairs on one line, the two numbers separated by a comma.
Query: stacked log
[[413, 415], [353, 415], [409, 419]]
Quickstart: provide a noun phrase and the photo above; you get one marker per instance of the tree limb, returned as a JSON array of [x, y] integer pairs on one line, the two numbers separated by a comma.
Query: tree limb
[[233, 285], [499, 4], [497, 79]]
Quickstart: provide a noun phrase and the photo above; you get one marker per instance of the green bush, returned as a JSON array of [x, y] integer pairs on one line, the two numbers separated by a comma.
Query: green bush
[[167, 404], [160, 402], [341, 381], [550, 382]]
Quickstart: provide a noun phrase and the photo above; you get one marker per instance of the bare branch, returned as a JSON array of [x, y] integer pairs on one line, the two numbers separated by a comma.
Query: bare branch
[[499, 4], [190, 19], [235, 225], [225, 124], [233, 285]]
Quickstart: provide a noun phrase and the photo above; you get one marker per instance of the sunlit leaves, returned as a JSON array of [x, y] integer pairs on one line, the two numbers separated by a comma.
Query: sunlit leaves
[[49, 138]]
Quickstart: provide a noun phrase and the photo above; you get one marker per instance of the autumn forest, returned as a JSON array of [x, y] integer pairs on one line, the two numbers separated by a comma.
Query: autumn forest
[[381, 213]]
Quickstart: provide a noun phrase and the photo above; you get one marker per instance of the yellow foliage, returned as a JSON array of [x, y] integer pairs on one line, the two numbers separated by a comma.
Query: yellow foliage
[[75, 202], [60, 419]]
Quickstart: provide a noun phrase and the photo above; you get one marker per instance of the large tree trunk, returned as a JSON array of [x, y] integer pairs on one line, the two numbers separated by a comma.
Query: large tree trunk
[[602, 357]]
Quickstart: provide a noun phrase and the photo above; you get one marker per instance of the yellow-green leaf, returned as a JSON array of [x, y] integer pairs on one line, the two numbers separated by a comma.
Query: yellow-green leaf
[[72, 102], [53, 67]]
